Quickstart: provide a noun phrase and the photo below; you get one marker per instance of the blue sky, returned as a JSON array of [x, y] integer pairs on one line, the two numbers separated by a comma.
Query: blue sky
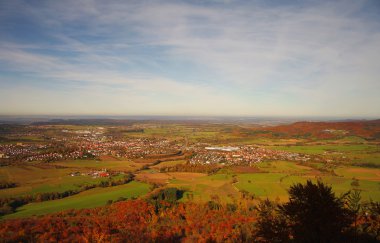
[[238, 58]]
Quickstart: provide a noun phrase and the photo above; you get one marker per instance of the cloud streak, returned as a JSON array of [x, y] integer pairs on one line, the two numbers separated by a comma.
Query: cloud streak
[[171, 57]]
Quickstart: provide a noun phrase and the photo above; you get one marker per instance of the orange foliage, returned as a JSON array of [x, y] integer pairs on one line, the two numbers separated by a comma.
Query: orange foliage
[[134, 221], [365, 129]]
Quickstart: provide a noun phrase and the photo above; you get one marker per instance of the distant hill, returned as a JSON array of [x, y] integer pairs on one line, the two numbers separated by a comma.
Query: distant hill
[[102, 122], [366, 129]]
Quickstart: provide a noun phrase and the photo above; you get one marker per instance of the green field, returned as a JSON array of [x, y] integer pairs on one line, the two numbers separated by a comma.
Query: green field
[[278, 176], [168, 164], [34, 179], [283, 167], [265, 185], [320, 149], [88, 199], [40, 179], [283, 174], [204, 187], [275, 185], [120, 165]]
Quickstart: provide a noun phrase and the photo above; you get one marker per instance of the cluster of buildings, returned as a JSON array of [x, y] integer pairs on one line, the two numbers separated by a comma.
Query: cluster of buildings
[[129, 148], [334, 131], [242, 155], [94, 173], [35, 152], [55, 156], [83, 144]]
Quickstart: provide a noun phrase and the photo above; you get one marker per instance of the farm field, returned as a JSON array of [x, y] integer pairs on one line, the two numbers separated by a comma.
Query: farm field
[[272, 185], [92, 198], [119, 165], [48, 178], [320, 149], [168, 164], [345, 162], [273, 182], [152, 176], [281, 175], [206, 188], [34, 179], [275, 185]]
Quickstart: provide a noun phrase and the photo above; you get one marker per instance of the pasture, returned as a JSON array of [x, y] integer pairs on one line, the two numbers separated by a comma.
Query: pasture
[[117, 165], [320, 149], [278, 176], [88, 199], [168, 164], [272, 180], [152, 176], [281, 175], [275, 185], [34, 179], [204, 188]]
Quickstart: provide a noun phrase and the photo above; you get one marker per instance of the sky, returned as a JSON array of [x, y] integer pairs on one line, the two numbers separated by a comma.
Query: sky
[[204, 58]]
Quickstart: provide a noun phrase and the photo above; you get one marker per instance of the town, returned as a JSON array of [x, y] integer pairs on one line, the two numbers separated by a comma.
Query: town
[[83, 144], [243, 155], [92, 143]]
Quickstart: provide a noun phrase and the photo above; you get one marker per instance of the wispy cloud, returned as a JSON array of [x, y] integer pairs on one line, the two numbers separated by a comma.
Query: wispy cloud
[[221, 57]]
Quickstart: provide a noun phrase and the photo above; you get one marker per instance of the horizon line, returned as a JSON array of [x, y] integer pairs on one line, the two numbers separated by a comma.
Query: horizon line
[[118, 116]]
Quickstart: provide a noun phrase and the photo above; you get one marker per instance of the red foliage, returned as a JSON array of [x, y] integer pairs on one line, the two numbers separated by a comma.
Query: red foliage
[[134, 221], [365, 129]]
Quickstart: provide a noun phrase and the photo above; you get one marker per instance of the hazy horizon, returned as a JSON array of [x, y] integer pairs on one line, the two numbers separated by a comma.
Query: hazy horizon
[[251, 119], [190, 58]]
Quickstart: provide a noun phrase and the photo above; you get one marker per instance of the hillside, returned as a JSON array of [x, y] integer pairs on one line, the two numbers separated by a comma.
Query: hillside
[[365, 129]]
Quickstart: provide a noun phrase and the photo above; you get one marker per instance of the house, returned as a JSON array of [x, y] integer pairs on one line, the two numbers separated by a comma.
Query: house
[[103, 174], [77, 173]]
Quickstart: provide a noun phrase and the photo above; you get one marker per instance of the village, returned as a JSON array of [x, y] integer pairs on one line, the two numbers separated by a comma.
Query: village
[[85, 144], [94, 143], [248, 155], [102, 173], [141, 148]]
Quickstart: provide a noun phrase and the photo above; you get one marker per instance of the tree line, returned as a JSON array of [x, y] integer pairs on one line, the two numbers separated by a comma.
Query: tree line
[[7, 184], [197, 168]]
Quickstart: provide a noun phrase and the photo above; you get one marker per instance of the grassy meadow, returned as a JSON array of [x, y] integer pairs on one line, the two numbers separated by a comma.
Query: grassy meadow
[[88, 199], [57, 177], [117, 165], [33, 179]]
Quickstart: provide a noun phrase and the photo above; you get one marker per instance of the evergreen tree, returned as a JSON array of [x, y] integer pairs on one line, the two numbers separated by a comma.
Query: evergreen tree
[[315, 214]]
